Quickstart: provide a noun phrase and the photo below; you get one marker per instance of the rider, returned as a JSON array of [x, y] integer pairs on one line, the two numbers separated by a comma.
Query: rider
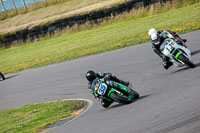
[[158, 37], [91, 75]]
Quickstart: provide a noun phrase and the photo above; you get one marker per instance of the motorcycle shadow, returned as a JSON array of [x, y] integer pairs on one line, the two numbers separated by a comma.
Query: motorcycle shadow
[[195, 52], [197, 65], [120, 104], [186, 68], [180, 70], [11, 76]]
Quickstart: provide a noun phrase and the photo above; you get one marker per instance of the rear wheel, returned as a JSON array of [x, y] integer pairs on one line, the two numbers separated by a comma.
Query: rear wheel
[[121, 99], [1, 77], [186, 61]]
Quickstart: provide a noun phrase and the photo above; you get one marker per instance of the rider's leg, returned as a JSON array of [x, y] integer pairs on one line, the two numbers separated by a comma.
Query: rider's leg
[[166, 62]]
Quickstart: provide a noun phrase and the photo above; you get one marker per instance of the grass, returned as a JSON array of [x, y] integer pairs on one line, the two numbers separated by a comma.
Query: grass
[[51, 13], [117, 34], [35, 117], [65, 5]]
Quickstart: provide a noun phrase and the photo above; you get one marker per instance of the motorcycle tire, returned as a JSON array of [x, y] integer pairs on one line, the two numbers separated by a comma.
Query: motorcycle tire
[[120, 99], [135, 94], [186, 61], [1, 77]]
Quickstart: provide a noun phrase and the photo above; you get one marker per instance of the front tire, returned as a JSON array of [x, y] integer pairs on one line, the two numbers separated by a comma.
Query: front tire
[[1, 76], [135, 94], [120, 99], [186, 61]]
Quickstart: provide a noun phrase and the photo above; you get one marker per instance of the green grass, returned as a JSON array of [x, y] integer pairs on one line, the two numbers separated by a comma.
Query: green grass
[[35, 117], [118, 34]]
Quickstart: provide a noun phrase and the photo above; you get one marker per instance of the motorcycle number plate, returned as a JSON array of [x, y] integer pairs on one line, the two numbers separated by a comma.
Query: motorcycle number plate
[[170, 47], [102, 89]]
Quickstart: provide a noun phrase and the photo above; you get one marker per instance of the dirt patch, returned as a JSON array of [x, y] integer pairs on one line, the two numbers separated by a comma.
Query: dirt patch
[[51, 13]]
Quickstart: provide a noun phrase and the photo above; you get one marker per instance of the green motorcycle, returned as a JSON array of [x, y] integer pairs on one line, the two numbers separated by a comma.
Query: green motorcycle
[[110, 91]]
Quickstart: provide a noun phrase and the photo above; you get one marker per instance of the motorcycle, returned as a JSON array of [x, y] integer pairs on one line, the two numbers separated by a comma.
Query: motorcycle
[[1, 76], [179, 55], [111, 91]]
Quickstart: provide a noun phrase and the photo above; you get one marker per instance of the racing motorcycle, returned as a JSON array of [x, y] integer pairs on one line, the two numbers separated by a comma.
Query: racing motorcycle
[[1, 76], [111, 91], [179, 55]]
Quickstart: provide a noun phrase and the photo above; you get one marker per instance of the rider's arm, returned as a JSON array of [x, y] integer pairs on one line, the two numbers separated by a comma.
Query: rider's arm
[[103, 75], [95, 94], [89, 85], [173, 33]]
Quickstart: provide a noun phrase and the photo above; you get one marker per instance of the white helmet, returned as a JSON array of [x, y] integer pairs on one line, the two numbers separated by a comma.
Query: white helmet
[[154, 36]]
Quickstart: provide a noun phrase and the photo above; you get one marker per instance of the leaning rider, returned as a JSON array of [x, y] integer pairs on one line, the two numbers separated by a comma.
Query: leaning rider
[[91, 75], [158, 37]]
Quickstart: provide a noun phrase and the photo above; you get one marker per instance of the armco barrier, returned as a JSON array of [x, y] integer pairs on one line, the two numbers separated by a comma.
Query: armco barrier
[[96, 16]]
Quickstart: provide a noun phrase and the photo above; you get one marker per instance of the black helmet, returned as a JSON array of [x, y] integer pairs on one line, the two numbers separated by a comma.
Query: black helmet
[[90, 75]]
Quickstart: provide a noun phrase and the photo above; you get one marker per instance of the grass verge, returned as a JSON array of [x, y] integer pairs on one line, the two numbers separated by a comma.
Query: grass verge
[[121, 33], [35, 117], [49, 14]]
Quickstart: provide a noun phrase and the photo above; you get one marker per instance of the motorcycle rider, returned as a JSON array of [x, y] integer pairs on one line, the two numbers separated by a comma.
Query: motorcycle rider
[[158, 37], [91, 75]]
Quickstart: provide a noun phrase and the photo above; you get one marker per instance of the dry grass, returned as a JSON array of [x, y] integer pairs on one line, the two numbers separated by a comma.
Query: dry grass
[[50, 13]]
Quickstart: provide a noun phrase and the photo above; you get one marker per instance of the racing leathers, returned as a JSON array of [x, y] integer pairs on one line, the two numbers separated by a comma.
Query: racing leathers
[[106, 76], [156, 47]]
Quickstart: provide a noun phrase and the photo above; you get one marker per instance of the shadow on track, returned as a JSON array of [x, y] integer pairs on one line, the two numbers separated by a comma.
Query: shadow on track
[[180, 70], [142, 97], [186, 68], [197, 65], [11, 76], [120, 104], [195, 52]]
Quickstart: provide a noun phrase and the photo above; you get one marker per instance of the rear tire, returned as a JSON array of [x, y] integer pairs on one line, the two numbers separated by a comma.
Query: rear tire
[[186, 61], [120, 98], [1, 77]]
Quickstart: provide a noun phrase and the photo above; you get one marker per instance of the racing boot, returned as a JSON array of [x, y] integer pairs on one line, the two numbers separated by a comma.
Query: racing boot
[[166, 62]]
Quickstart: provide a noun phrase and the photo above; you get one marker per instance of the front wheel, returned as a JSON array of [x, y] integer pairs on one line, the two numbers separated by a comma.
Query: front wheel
[[1, 77], [186, 61], [135, 94], [121, 99]]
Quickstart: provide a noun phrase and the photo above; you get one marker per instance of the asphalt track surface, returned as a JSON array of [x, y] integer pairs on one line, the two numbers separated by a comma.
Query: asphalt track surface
[[169, 102]]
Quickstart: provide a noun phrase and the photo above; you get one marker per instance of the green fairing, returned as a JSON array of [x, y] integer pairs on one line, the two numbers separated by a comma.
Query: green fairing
[[115, 84], [177, 55], [102, 80], [121, 86], [111, 90], [108, 99], [95, 94]]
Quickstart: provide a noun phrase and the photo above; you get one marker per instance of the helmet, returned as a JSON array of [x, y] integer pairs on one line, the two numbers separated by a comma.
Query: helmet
[[154, 36], [90, 75]]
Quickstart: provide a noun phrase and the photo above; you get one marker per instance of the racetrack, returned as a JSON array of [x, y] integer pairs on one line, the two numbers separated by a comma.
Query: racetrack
[[169, 100]]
